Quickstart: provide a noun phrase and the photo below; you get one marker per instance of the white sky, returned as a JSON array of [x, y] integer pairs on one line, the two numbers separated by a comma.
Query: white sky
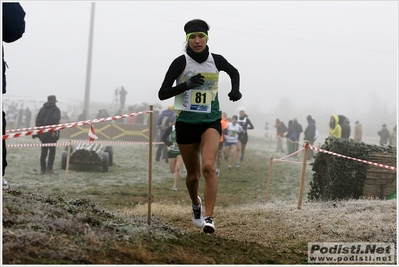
[[341, 56]]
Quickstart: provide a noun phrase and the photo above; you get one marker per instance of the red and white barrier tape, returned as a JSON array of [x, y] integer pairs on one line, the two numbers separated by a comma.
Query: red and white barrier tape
[[73, 141], [334, 154], [360, 160], [51, 128], [289, 155]]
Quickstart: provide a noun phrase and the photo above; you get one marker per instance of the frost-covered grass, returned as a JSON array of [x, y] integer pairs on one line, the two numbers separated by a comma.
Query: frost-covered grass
[[93, 217]]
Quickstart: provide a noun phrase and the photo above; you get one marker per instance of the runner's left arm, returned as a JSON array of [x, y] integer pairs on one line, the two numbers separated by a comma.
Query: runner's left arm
[[250, 126]]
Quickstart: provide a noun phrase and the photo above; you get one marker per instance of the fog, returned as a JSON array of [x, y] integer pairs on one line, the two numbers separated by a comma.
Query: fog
[[295, 58]]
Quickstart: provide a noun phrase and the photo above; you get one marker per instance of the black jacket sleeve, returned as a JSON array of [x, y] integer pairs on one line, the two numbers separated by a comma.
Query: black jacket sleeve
[[250, 126], [13, 22], [167, 89], [223, 65]]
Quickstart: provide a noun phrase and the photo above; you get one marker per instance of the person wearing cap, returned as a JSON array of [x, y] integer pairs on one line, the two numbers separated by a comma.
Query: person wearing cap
[[49, 114], [198, 126], [246, 124]]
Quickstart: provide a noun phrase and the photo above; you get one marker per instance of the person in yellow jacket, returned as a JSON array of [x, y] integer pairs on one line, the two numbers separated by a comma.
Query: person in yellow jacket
[[335, 128]]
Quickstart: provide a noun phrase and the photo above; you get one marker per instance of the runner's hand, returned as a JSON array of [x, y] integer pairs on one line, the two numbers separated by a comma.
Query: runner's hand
[[195, 81], [234, 95]]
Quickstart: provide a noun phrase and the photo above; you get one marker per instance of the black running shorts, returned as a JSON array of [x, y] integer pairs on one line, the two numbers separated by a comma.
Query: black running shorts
[[187, 133], [172, 155]]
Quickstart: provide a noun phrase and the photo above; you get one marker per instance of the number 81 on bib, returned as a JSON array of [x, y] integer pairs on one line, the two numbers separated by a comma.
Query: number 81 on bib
[[200, 97]]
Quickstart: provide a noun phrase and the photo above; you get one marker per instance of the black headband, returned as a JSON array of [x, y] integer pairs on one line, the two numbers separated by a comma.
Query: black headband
[[196, 28]]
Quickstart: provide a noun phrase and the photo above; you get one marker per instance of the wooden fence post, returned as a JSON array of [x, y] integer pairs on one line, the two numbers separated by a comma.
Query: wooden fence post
[[268, 179], [302, 181], [150, 167], [67, 160]]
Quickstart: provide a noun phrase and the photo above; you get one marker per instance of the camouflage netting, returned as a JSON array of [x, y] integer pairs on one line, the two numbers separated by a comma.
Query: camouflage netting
[[341, 178]]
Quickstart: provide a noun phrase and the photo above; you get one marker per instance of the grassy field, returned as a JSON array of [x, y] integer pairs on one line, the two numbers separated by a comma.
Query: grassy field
[[95, 217]]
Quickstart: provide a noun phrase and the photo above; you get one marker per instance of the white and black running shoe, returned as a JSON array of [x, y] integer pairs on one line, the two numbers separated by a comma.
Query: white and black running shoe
[[209, 225], [197, 218]]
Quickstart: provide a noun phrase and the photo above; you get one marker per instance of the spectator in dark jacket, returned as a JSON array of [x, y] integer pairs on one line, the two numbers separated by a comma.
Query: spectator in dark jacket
[[385, 136], [49, 114], [13, 29], [346, 129], [309, 134]]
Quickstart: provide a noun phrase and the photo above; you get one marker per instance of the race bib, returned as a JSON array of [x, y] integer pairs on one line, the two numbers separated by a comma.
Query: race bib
[[200, 98]]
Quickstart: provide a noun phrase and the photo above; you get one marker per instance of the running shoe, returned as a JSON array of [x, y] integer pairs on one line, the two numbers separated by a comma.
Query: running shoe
[[197, 218], [229, 167], [217, 172], [209, 225], [174, 188], [237, 165]]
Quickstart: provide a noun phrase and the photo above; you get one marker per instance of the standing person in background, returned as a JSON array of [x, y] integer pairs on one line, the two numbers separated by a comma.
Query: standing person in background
[[13, 29], [122, 97], [310, 134], [49, 114], [174, 158], [291, 137], [281, 129], [393, 136], [384, 135], [335, 128], [28, 117], [232, 132], [167, 116], [220, 154], [346, 129], [298, 130], [246, 125], [358, 132], [198, 126]]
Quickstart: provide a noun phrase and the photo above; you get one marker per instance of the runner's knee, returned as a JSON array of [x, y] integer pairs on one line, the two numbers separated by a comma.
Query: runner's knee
[[208, 169]]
